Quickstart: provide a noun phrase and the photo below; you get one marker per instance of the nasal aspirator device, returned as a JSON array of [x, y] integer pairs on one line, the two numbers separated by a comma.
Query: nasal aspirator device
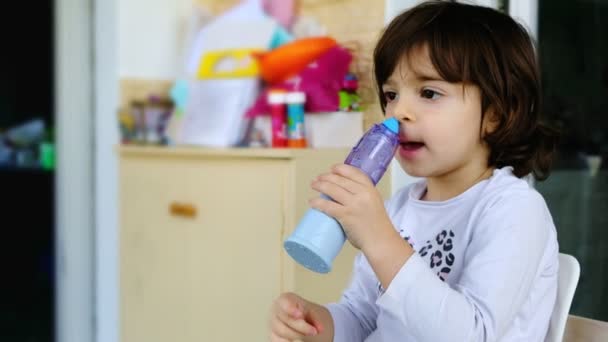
[[318, 238]]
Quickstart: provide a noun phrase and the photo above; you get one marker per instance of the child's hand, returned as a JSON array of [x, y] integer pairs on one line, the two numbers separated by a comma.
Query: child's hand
[[357, 205], [292, 319]]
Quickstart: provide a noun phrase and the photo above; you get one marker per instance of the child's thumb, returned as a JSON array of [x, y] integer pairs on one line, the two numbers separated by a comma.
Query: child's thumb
[[315, 322], [312, 318]]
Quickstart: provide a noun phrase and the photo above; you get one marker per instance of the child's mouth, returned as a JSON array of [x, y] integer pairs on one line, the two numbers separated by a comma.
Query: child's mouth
[[411, 145], [409, 150]]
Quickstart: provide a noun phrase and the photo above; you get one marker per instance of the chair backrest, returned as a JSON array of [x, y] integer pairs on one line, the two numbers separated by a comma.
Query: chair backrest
[[585, 329], [569, 272]]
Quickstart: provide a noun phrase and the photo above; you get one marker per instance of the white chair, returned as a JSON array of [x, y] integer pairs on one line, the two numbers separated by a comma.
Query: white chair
[[569, 272]]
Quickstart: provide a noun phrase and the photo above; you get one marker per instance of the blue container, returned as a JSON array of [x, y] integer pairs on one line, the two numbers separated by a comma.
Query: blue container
[[318, 238], [296, 136]]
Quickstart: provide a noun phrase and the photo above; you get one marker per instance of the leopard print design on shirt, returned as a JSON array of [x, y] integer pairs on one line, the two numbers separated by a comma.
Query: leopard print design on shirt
[[437, 251]]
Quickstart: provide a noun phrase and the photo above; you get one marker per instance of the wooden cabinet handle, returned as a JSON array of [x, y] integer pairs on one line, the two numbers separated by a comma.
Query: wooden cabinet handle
[[182, 209]]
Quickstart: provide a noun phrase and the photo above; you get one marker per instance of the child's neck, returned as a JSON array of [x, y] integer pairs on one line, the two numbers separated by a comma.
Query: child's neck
[[448, 186]]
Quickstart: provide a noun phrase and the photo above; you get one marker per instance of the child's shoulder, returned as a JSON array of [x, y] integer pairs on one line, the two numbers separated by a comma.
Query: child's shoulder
[[511, 209], [504, 188], [514, 204]]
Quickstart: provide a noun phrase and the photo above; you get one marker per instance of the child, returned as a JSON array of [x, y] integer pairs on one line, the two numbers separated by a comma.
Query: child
[[470, 252]]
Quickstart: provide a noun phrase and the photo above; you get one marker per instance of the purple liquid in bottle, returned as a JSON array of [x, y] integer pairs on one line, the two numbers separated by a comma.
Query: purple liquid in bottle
[[318, 238], [374, 151]]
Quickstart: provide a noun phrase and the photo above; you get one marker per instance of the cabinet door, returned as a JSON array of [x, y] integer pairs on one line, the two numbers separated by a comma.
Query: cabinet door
[[234, 247], [153, 247]]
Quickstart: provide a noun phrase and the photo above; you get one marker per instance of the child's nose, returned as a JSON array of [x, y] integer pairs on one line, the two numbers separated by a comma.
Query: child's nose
[[403, 113]]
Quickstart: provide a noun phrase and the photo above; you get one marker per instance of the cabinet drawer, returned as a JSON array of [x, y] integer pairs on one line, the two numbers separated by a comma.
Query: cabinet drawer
[[217, 225], [153, 269], [235, 248]]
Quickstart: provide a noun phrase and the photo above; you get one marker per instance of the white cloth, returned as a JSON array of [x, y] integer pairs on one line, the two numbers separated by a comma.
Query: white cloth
[[485, 270]]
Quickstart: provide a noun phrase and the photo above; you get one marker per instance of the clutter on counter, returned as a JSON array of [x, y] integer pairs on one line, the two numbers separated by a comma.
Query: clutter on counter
[[251, 79], [321, 130], [145, 121]]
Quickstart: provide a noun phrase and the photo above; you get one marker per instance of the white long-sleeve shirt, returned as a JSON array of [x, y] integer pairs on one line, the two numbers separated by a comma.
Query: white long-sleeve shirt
[[485, 270]]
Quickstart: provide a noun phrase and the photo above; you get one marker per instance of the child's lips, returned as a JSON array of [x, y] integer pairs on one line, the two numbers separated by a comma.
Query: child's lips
[[408, 150], [411, 145]]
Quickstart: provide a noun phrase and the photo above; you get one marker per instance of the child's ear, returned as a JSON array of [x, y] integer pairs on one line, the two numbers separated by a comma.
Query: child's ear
[[490, 122]]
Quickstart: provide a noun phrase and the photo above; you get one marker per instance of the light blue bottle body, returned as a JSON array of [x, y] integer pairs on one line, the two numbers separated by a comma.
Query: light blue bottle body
[[318, 238]]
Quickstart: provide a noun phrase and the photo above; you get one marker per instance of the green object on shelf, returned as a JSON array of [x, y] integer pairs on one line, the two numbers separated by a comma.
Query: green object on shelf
[[344, 98], [349, 101], [47, 155]]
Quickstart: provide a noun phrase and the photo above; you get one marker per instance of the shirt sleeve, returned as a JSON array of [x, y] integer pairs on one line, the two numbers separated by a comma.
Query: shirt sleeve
[[355, 315], [500, 265]]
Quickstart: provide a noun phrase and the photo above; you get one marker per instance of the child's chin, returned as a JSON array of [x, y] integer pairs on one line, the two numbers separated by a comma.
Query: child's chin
[[411, 169]]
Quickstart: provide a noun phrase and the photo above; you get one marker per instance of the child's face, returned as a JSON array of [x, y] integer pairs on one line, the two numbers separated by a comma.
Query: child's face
[[440, 121]]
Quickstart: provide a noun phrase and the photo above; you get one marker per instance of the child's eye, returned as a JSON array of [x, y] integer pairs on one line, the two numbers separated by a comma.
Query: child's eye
[[389, 96], [429, 94]]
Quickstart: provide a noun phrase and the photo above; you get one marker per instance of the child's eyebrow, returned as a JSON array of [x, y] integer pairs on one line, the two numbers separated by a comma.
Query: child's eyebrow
[[418, 76], [422, 77], [389, 83]]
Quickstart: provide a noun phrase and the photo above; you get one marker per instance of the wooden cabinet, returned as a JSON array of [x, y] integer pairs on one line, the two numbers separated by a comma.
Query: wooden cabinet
[[201, 256]]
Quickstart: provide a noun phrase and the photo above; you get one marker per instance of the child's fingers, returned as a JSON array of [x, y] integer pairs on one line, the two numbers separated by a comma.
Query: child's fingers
[[334, 191], [352, 173], [348, 184], [330, 208], [297, 324], [316, 324], [275, 338], [290, 307], [289, 318], [281, 329]]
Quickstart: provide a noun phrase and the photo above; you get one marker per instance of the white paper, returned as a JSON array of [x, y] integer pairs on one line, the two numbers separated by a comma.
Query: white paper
[[215, 112], [245, 26]]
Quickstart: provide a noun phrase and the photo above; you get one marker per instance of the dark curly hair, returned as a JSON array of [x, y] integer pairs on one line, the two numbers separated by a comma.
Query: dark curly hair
[[481, 46]]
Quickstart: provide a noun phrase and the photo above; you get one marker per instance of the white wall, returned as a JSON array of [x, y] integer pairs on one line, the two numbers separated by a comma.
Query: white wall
[[74, 243], [106, 184], [147, 31], [394, 7], [526, 12]]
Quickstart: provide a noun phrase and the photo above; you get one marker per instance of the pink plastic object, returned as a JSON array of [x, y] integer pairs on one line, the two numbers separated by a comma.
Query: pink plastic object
[[320, 80], [281, 10]]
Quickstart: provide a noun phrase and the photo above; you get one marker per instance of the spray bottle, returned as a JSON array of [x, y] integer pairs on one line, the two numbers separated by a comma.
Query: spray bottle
[[318, 238]]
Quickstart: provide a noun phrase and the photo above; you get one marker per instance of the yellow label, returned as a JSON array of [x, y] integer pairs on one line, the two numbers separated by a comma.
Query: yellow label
[[233, 63]]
